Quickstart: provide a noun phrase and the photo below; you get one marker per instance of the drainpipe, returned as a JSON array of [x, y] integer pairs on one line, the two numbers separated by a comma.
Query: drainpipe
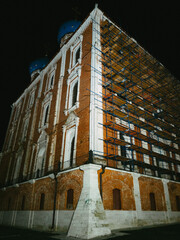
[[55, 197], [101, 173]]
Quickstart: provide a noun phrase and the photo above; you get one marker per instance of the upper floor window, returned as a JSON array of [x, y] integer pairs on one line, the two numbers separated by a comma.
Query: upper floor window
[[73, 91], [69, 141], [31, 99], [17, 111], [76, 56], [76, 53], [73, 94], [25, 129], [45, 111], [46, 114], [50, 80], [69, 148]]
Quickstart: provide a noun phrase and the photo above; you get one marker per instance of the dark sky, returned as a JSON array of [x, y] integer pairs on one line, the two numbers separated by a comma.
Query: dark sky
[[29, 30]]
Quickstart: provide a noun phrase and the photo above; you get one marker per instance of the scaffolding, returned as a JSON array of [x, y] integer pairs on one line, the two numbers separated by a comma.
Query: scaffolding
[[141, 107]]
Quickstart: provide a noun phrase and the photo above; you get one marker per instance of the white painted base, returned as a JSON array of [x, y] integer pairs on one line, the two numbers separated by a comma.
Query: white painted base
[[40, 220], [89, 219], [130, 219]]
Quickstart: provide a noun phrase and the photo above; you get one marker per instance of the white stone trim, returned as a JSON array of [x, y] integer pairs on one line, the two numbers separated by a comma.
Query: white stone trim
[[71, 81], [72, 121], [73, 49], [96, 115]]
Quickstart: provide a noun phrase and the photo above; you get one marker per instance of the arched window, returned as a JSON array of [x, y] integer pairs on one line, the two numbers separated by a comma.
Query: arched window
[[23, 202], [116, 199], [152, 201], [18, 167], [178, 203], [51, 81], [46, 115], [77, 55], [72, 151], [40, 161], [42, 200], [69, 148], [74, 94], [9, 204], [70, 196]]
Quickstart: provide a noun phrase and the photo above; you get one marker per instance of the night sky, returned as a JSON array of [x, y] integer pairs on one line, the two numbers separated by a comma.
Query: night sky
[[29, 30]]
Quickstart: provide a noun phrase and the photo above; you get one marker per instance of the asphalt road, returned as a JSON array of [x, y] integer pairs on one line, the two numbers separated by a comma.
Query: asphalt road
[[168, 232]]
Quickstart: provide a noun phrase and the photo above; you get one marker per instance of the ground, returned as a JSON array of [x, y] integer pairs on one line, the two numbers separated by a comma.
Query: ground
[[156, 233]]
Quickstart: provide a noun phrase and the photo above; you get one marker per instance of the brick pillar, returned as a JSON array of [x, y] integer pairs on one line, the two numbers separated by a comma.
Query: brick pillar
[[89, 219]]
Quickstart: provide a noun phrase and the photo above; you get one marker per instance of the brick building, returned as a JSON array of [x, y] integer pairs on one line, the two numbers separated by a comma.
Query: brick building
[[93, 142]]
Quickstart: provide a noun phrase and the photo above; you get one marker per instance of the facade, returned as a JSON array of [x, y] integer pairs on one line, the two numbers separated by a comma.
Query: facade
[[93, 143]]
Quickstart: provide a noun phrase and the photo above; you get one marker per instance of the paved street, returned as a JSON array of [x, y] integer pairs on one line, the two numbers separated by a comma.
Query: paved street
[[156, 233]]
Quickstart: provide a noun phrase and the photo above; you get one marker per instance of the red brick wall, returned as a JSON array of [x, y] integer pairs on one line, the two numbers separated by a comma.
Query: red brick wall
[[151, 185], [174, 190], [123, 182]]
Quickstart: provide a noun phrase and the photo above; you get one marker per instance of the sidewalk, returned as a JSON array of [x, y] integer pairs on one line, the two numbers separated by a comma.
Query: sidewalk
[[167, 232]]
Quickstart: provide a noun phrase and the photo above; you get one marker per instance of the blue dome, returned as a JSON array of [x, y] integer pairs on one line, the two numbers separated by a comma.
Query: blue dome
[[67, 27], [38, 64]]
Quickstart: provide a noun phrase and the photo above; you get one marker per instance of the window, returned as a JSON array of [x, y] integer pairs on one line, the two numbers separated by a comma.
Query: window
[[23, 203], [152, 201], [69, 148], [73, 91], [178, 203], [70, 195], [18, 166], [42, 200], [77, 55], [25, 129], [46, 114], [17, 111], [69, 141], [50, 81], [9, 204], [74, 94], [72, 151], [116, 199], [41, 161], [31, 99]]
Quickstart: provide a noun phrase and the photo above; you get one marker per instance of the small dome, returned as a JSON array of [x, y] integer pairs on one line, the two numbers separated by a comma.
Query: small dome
[[68, 27], [38, 64]]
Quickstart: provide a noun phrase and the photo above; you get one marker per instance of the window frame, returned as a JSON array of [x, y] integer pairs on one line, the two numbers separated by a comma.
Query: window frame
[[31, 98], [45, 104], [51, 74], [73, 50], [70, 126], [73, 79]]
